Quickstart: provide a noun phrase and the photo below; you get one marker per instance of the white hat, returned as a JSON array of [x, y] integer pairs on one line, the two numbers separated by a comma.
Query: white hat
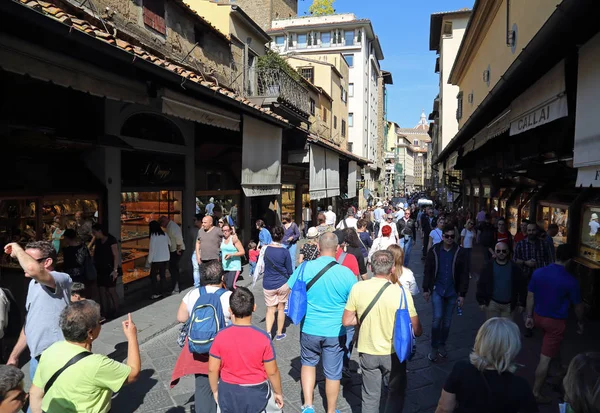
[[211, 199], [312, 233], [594, 215], [379, 204]]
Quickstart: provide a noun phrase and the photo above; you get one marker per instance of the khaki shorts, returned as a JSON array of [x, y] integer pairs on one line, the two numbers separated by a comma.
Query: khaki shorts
[[274, 297]]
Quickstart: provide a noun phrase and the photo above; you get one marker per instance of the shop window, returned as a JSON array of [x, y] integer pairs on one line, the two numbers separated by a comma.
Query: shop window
[[153, 128], [559, 215], [154, 15], [590, 233]]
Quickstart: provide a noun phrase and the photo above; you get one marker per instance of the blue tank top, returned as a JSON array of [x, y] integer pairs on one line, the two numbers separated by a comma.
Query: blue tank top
[[233, 263]]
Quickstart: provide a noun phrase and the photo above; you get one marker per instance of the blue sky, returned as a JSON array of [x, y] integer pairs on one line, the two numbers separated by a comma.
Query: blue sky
[[403, 29]]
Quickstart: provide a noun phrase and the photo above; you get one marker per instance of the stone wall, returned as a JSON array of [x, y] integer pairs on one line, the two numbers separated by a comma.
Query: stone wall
[[212, 55], [264, 12], [284, 9]]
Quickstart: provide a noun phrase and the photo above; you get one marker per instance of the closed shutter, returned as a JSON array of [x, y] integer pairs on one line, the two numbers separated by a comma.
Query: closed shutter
[[154, 15]]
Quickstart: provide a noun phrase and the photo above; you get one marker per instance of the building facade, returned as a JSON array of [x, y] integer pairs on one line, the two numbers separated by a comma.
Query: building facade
[[263, 12]]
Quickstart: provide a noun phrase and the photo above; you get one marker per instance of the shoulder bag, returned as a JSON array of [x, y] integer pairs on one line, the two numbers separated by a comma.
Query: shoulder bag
[[73, 360], [373, 302], [405, 343]]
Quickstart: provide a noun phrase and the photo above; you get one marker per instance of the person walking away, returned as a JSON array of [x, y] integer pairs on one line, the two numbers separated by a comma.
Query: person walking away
[[350, 245], [367, 216], [79, 264], [244, 378], [501, 287], [233, 214], [582, 382], [47, 295], [322, 334], [446, 282], [408, 233], [189, 363], [158, 258], [404, 275], [378, 217], [487, 383], [553, 290], [330, 217], [232, 252], [291, 235], [306, 218], [549, 239], [349, 221], [310, 249], [322, 226], [467, 239], [366, 242], [383, 242], [176, 249], [531, 254], [12, 395], [253, 254], [91, 379], [486, 237], [374, 302], [196, 267], [436, 236], [106, 260], [481, 216], [264, 236], [428, 223], [208, 244], [389, 220], [276, 264], [209, 208]]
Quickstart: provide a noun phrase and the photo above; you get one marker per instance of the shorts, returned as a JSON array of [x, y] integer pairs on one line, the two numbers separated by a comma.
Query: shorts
[[105, 280], [554, 332], [330, 348], [274, 297]]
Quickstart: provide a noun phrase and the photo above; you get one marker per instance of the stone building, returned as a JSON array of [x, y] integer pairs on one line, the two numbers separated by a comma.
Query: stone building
[[263, 12]]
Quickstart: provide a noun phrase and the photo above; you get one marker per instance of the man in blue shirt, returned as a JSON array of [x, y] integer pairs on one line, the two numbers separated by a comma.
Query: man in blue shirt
[[446, 281], [553, 290], [322, 332]]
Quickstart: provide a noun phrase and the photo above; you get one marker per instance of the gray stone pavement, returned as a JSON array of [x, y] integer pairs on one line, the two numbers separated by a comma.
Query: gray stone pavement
[[158, 332]]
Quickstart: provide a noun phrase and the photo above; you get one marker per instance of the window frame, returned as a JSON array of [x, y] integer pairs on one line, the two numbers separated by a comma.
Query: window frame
[[350, 119], [334, 122], [346, 33], [445, 32], [300, 45], [154, 16], [351, 90], [311, 79], [328, 43], [343, 128], [282, 37], [313, 106], [351, 55], [459, 106]]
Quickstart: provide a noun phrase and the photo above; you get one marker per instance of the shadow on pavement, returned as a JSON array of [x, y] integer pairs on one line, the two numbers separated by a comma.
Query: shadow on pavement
[[133, 396]]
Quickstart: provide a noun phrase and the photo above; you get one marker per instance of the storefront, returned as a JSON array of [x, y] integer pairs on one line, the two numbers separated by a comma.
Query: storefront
[[294, 191], [554, 212]]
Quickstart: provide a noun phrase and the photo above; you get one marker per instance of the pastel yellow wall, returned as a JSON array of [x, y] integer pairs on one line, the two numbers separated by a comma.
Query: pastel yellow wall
[[529, 16], [391, 138], [217, 15]]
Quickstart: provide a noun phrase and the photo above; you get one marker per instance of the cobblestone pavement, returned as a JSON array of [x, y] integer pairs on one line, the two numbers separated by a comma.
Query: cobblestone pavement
[[158, 333]]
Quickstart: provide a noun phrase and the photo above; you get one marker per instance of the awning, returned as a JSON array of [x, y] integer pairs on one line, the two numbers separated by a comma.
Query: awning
[[261, 158], [452, 160], [184, 107], [544, 102], [324, 181], [586, 154], [352, 174], [24, 58], [496, 127]]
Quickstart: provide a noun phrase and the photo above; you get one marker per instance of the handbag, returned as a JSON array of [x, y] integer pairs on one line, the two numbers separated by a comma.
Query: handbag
[[298, 302], [405, 343]]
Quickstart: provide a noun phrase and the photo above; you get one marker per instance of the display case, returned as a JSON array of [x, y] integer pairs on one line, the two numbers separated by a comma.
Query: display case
[[137, 210], [550, 213], [288, 199], [589, 247], [222, 202]]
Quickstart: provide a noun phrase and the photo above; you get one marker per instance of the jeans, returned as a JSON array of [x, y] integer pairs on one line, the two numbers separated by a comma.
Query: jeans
[[425, 244], [306, 227], [158, 269], [406, 245], [174, 269], [292, 250], [204, 399], [349, 345], [252, 268], [196, 270], [393, 373], [443, 309]]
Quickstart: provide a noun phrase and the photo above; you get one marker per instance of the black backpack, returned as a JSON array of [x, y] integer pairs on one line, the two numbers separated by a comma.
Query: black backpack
[[487, 238]]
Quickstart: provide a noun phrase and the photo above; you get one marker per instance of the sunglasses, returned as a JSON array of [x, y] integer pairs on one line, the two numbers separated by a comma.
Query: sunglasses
[[448, 236], [41, 260], [501, 251]]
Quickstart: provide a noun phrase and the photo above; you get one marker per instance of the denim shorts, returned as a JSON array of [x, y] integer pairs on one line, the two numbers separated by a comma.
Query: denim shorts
[[330, 348]]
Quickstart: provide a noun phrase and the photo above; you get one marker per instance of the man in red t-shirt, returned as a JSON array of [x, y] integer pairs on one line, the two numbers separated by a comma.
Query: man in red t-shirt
[[522, 234]]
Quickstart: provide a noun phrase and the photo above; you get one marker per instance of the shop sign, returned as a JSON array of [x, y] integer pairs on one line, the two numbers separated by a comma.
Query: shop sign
[[139, 170], [539, 117], [589, 176], [261, 190]]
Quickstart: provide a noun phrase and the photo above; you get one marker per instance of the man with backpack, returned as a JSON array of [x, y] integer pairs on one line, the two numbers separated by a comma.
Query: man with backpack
[[323, 335], [205, 310], [381, 297]]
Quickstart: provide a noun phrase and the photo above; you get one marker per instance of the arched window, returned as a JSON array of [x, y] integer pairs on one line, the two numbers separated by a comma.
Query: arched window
[[153, 128]]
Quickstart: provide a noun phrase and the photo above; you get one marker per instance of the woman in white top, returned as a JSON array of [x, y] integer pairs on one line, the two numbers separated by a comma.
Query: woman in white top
[[404, 275], [158, 258], [385, 240], [436, 236], [467, 237]]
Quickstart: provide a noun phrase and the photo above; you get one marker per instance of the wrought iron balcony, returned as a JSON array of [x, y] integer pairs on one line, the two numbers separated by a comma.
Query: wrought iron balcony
[[276, 84]]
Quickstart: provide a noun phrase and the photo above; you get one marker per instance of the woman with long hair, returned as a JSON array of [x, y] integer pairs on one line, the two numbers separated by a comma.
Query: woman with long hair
[[582, 384], [322, 226], [232, 252], [385, 240], [276, 265], [291, 235], [106, 260], [158, 258], [402, 274], [352, 247], [487, 383], [264, 236]]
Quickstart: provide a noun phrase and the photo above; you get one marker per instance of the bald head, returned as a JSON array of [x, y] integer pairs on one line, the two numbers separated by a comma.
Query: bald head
[[502, 252], [328, 243]]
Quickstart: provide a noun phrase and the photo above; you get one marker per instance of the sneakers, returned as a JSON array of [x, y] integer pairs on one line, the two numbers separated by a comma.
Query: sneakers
[[308, 409], [432, 356], [155, 296], [279, 337], [442, 352]]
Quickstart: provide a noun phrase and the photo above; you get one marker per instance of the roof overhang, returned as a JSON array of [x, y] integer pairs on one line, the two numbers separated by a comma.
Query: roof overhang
[[435, 27], [237, 10], [387, 77], [329, 145]]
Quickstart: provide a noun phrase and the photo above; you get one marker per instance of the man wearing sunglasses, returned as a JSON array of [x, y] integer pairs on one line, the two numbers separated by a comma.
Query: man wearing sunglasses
[[445, 281], [48, 294], [502, 287]]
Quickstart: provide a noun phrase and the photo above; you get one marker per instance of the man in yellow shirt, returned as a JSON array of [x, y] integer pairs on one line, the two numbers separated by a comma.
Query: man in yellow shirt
[[374, 302]]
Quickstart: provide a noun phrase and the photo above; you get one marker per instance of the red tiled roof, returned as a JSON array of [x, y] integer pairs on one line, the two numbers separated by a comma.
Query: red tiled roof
[[296, 26], [52, 10]]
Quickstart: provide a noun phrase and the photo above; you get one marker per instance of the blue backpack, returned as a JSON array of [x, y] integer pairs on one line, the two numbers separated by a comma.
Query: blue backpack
[[405, 343], [298, 301], [205, 321]]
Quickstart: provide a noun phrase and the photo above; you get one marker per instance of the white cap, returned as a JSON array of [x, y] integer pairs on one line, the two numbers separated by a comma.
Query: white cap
[[379, 204], [594, 215]]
